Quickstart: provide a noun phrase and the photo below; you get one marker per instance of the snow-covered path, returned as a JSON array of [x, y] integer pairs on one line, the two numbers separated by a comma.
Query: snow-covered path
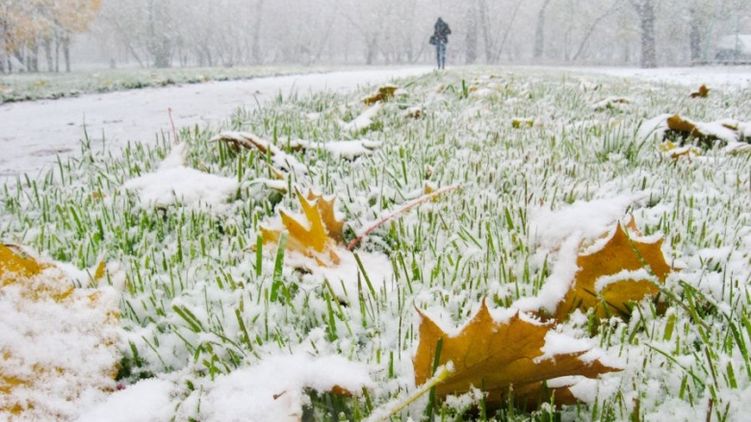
[[32, 134]]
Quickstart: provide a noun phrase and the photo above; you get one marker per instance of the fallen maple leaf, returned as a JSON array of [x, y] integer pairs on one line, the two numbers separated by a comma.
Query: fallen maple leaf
[[313, 237], [619, 258], [384, 93], [702, 92], [327, 208], [499, 356], [675, 152], [34, 290]]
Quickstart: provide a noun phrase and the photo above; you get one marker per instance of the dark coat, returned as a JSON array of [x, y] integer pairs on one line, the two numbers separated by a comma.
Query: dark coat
[[442, 31]]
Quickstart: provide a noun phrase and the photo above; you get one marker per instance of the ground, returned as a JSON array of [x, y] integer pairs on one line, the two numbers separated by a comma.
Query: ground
[[211, 314]]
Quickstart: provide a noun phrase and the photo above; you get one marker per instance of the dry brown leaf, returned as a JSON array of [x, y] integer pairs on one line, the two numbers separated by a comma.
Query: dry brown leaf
[[702, 92], [620, 253], [684, 126], [310, 237], [384, 93], [281, 161], [497, 356]]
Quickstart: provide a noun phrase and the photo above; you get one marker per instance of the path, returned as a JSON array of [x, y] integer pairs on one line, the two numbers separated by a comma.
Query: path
[[32, 134]]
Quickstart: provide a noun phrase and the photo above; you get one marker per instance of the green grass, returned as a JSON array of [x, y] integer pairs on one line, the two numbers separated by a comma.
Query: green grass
[[199, 302], [38, 86]]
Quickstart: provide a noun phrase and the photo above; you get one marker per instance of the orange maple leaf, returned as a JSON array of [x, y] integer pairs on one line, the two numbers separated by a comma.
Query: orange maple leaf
[[384, 93], [620, 255], [702, 92], [499, 356]]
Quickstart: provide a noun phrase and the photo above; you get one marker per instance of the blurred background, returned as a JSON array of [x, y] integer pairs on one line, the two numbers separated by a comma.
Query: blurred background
[[60, 35]]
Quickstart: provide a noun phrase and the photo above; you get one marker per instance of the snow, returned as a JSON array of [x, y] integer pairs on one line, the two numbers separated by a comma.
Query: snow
[[558, 283], [364, 120], [146, 401], [64, 351], [33, 133], [174, 183], [588, 219], [345, 277], [713, 76], [625, 275], [273, 389], [342, 149]]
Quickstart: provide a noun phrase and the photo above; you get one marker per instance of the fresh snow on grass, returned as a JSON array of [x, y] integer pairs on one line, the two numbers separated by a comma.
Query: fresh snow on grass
[[207, 317]]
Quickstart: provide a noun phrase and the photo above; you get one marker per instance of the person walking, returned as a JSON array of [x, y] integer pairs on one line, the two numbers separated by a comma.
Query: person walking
[[439, 39]]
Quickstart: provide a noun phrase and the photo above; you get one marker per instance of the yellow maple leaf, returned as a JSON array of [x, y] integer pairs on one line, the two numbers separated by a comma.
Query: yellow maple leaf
[[310, 237], [37, 281], [15, 265], [327, 209], [620, 254], [498, 357], [18, 268]]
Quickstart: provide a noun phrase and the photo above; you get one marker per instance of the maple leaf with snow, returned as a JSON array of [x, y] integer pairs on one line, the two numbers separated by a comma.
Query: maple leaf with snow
[[518, 354], [623, 270], [62, 340], [313, 234]]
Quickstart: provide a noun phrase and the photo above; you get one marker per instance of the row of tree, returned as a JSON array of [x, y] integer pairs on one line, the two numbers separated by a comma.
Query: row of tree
[[33, 28], [163, 33]]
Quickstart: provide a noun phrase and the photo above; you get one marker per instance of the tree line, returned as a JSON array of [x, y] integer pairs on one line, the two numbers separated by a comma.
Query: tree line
[[36, 30], [163, 33]]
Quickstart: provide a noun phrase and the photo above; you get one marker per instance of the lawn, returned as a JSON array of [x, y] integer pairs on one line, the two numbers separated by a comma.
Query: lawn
[[214, 316]]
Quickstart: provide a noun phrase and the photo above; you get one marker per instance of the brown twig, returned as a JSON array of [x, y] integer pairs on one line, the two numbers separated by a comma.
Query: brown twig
[[408, 206]]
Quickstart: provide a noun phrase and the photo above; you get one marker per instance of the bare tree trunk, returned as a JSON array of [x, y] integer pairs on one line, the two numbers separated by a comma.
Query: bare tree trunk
[[57, 53], [66, 52], [487, 38], [257, 32], [48, 54], [592, 28], [646, 11], [539, 48], [694, 36], [470, 48], [508, 30]]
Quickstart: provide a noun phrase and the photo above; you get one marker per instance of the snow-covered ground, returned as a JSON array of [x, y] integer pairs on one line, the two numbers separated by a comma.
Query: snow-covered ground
[[717, 76], [32, 134], [548, 164]]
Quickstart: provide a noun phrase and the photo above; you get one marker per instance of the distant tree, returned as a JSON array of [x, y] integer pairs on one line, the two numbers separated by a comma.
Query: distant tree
[[645, 10], [25, 25], [540, 31]]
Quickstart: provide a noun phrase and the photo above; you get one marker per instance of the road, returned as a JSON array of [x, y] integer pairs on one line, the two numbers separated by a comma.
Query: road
[[32, 134]]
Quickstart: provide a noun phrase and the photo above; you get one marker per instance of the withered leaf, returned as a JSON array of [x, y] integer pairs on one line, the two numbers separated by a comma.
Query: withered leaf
[[702, 92], [497, 356], [384, 93]]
